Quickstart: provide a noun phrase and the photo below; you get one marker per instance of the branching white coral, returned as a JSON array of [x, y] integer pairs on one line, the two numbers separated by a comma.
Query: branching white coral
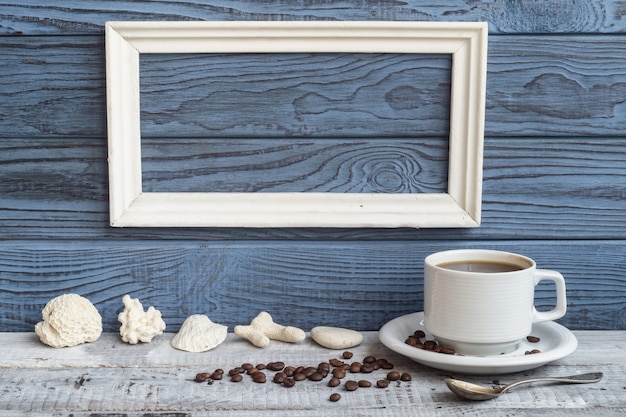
[[137, 325], [263, 328], [69, 320]]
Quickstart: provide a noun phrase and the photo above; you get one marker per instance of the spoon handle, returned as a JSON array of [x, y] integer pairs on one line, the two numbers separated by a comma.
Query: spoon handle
[[572, 379]]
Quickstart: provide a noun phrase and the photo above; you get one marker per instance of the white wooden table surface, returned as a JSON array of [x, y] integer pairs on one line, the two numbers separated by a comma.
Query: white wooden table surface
[[109, 377]]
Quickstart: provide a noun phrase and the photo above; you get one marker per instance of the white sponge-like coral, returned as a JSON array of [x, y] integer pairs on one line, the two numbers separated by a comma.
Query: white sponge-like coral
[[138, 325], [69, 320]]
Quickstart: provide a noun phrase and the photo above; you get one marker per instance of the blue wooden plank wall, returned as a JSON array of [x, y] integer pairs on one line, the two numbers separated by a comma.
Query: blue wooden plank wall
[[554, 169]]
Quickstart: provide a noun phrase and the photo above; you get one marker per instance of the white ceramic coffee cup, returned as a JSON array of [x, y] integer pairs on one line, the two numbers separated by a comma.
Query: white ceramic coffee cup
[[484, 313]]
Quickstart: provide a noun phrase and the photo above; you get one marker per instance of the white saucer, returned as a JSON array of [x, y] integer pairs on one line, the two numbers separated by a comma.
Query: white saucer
[[556, 343]]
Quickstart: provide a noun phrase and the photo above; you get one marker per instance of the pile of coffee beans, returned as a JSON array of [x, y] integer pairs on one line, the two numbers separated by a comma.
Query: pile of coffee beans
[[418, 340], [288, 375]]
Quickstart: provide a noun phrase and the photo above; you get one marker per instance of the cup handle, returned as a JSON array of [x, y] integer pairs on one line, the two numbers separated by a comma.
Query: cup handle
[[561, 302]]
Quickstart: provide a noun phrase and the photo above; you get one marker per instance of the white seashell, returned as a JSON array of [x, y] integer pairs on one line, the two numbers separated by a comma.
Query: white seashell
[[69, 320], [138, 325], [199, 334], [336, 337]]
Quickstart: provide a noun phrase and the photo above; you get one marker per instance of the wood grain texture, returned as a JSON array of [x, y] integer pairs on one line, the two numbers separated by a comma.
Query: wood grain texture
[[295, 95], [111, 378], [554, 169], [537, 85], [534, 188], [36, 17], [296, 165], [349, 284]]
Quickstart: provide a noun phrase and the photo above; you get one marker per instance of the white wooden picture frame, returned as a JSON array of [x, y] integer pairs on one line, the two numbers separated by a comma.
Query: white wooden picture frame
[[460, 206]]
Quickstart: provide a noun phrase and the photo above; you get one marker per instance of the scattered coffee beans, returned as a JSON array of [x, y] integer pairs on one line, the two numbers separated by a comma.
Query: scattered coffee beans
[[533, 339], [288, 376], [532, 352]]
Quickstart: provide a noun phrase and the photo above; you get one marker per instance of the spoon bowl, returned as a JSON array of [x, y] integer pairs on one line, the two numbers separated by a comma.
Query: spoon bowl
[[470, 391]]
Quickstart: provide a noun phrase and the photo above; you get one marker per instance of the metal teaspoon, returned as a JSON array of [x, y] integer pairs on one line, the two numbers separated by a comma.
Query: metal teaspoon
[[475, 392]]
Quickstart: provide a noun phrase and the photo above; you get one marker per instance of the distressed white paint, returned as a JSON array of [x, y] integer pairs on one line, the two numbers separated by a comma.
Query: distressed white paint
[[109, 376]]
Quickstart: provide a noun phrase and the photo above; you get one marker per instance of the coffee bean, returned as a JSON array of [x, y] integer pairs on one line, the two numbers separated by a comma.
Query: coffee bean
[[413, 341], [323, 366], [405, 377], [279, 377], [419, 334], [533, 339], [202, 376], [217, 376], [316, 376], [259, 377], [393, 376], [351, 385], [289, 382], [347, 355], [369, 359], [236, 378], [299, 377], [382, 383], [335, 362], [335, 397], [235, 371], [367, 368], [276, 366], [364, 383], [385, 364], [247, 366], [355, 367], [309, 371], [334, 382], [339, 373], [447, 351], [289, 370], [430, 345]]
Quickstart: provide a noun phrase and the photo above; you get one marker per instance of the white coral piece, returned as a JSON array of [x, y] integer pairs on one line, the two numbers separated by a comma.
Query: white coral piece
[[262, 329], [69, 320], [138, 325], [199, 334]]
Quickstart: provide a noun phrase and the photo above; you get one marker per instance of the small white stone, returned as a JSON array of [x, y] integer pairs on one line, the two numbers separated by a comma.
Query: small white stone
[[336, 337], [199, 334]]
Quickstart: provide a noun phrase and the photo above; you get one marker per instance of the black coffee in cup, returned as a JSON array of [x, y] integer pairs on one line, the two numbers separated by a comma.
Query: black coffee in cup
[[480, 266]]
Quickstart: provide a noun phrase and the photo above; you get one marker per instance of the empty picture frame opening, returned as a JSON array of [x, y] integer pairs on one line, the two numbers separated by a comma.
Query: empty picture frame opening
[[344, 123], [458, 206]]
